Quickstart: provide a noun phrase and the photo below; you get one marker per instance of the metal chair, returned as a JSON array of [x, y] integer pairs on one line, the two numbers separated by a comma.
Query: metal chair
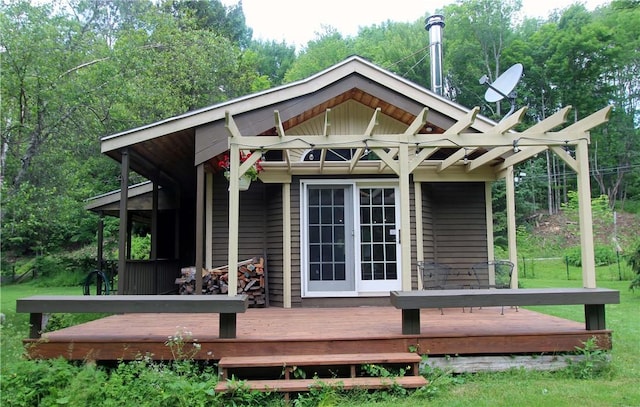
[[501, 270], [434, 276]]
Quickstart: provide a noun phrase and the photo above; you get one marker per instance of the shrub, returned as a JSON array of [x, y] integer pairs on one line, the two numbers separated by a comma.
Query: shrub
[[633, 259], [604, 255], [140, 247]]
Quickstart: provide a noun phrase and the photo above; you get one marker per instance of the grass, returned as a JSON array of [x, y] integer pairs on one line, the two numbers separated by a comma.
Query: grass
[[618, 387]]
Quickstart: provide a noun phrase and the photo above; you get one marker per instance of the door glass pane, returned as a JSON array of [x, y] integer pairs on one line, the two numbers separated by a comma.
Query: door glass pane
[[378, 231], [326, 231]]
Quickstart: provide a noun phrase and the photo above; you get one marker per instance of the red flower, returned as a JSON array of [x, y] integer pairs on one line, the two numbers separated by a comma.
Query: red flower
[[224, 163]]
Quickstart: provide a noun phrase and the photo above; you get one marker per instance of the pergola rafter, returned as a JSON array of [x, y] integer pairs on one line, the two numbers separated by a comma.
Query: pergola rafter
[[410, 152]]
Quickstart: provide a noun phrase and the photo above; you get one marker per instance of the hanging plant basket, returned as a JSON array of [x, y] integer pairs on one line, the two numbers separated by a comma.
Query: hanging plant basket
[[244, 182]]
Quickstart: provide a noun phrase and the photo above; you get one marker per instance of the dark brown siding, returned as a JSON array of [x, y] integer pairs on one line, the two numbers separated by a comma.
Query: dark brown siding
[[296, 288], [459, 226], [275, 260], [252, 225], [414, 248], [429, 244]]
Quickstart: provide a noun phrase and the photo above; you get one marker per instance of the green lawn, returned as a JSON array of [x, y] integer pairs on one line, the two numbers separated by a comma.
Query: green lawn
[[620, 387]]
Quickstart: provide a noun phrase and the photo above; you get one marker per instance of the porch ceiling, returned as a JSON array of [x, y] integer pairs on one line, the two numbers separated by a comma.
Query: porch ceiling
[[167, 160]]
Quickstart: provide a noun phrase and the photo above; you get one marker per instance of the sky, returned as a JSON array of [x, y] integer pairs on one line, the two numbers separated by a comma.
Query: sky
[[297, 21]]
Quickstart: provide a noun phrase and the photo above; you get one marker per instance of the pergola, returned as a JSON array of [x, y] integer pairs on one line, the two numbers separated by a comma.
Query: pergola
[[489, 155]]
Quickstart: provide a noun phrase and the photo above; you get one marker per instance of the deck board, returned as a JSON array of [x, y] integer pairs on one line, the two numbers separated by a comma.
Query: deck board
[[268, 331]]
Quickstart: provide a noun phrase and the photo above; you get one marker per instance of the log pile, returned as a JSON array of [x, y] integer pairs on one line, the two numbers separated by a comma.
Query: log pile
[[251, 281]]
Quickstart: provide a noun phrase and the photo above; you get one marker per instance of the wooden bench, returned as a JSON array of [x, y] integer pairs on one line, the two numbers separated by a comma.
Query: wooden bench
[[235, 366], [224, 305], [593, 299]]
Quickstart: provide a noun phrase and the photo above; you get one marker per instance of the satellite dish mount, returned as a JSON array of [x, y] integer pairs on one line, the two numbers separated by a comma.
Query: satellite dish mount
[[503, 87]]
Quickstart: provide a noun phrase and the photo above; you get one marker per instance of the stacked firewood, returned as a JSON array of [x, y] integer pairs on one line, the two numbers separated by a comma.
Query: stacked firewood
[[216, 281]]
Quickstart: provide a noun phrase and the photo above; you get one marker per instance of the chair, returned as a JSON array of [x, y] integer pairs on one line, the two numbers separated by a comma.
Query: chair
[[434, 276], [501, 270]]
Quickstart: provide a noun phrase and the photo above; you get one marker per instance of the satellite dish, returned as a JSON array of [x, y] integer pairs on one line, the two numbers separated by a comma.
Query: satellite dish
[[503, 86]]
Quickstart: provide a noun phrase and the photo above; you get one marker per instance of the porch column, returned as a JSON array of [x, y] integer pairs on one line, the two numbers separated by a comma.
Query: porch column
[[154, 222], [286, 244], [405, 212], [585, 215], [101, 241], [511, 224], [154, 236], [208, 253], [122, 232], [234, 217], [417, 193], [199, 226]]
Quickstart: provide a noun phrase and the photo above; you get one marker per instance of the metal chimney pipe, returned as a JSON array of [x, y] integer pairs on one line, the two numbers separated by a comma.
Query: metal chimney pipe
[[434, 25]]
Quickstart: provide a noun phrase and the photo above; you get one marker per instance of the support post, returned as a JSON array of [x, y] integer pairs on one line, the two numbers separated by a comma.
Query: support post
[[411, 321], [585, 216], [101, 242], [35, 325], [208, 252], [405, 212], [228, 325], [511, 224], [124, 222], [594, 317], [199, 226], [234, 217]]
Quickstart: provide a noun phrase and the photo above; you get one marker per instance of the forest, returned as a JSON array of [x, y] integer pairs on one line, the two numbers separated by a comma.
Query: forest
[[73, 72]]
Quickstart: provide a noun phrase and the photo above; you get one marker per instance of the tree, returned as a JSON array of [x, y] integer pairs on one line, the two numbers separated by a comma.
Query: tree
[[72, 75], [328, 48], [273, 59], [402, 48], [476, 36]]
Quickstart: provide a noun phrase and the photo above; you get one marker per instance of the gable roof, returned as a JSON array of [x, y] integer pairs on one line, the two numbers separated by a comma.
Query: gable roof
[[168, 150]]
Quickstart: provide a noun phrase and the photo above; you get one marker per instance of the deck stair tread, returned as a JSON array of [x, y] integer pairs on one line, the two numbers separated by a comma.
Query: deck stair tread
[[318, 360], [234, 366], [346, 383]]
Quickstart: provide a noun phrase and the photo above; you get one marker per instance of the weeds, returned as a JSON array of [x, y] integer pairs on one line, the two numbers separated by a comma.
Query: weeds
[[593, 363]]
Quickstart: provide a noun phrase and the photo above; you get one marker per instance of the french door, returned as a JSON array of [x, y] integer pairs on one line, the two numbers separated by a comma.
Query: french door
[[349, 238]]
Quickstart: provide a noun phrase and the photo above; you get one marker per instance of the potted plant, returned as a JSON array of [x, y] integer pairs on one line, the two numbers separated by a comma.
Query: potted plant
[[245, 179]]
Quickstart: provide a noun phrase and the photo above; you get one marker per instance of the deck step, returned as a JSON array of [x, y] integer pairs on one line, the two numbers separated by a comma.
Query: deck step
[[302, 385], [318, 360], [343, 370]]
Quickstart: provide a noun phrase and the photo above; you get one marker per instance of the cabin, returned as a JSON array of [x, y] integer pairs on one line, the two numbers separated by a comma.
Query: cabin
[[361, 176]]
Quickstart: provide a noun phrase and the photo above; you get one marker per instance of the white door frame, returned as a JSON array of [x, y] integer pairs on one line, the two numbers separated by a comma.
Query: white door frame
[[361, 287]]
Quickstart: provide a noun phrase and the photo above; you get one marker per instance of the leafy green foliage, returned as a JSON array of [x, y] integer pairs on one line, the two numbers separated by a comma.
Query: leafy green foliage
[[604, 255], [141, 247], [594, 362], [633, 259]]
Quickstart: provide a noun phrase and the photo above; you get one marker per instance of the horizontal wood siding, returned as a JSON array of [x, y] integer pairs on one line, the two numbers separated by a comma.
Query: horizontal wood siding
[[146, 277], [428, 240], [459, 227], [275, 259], [414, 248], [252, 223], [296, 258]]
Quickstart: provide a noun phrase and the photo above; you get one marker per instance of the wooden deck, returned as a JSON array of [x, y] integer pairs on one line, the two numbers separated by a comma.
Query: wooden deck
[[277, 331]]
